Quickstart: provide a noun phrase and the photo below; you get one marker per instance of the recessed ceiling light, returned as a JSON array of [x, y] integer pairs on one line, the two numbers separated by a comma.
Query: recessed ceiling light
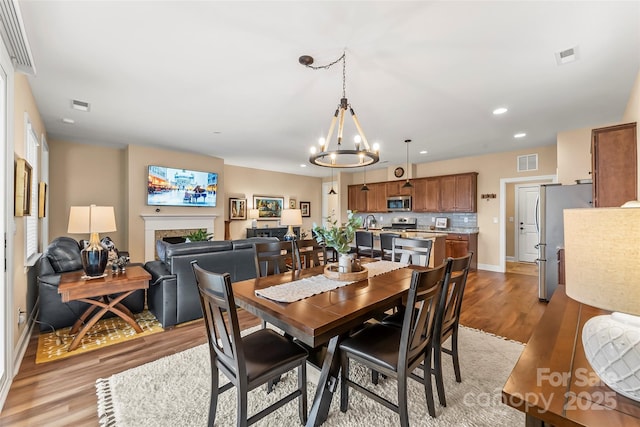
[[68, 121], [520, 135], [499, 111], [80, 105], [302, 165], [424, 152]]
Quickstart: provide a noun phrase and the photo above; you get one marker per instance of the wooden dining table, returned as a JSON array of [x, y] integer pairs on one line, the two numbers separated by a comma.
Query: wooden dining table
[[322, 321]]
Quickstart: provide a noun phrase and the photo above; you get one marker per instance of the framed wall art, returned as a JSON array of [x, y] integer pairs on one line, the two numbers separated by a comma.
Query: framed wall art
[[42, 199], [237, 208], [292, 203], [22, 196], [305, 207], [269, 208]]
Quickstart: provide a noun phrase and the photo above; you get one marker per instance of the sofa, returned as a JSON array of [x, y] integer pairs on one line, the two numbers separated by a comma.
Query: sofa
[[62, 256], [173, 294]]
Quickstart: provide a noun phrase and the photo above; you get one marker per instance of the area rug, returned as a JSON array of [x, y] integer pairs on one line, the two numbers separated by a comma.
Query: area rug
[[175, 390], [113, 330]]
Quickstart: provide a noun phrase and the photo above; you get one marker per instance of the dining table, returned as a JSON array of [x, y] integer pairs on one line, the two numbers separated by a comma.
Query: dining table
[[321, 321]]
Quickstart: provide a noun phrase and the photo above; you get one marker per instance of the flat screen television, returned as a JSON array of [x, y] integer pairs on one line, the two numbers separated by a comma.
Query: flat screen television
[[181, 187]]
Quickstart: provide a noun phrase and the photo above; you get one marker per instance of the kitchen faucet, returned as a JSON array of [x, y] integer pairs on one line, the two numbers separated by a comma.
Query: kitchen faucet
[[370, 221]]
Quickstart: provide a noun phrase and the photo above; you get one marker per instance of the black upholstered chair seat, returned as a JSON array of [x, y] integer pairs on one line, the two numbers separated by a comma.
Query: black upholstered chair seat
[[265, 351], [375, 344]]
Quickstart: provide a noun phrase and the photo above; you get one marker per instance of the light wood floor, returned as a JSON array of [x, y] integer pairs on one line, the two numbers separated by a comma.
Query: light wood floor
[[62, 393]]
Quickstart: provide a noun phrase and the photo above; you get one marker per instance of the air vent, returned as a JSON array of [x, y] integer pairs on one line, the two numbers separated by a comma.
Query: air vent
[[80, 105], [528, 162], [15, 38], [567, 55]]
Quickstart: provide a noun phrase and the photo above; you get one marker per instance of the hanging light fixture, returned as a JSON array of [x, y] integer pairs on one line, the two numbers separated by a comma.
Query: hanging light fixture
[[332, 191], [407, 184], [362, 154], [364, 181]]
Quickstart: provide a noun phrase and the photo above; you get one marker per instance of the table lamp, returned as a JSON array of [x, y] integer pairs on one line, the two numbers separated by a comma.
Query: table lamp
[[291, 217], [93, 220], [602, 269], [254, 214]]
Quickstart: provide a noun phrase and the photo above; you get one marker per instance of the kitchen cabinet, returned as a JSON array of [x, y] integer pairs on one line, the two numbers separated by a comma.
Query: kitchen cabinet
[[377, 197], [614, 165], [426, 195], [459, 244], [458, 192], [357, 199], [394, 188]]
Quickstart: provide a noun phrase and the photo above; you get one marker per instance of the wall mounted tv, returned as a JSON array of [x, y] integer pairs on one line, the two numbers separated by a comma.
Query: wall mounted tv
[[181, 187]]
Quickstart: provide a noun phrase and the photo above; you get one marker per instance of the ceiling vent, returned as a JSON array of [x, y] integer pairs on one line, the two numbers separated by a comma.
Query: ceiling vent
[[528, 162], [80, 105], [15, 38], [567, 55]]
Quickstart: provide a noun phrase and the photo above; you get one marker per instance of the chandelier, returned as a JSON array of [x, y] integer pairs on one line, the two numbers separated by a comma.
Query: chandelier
[[340, 157]]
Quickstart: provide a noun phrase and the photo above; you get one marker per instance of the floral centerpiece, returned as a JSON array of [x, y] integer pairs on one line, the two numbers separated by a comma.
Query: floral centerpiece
[[339, 237]]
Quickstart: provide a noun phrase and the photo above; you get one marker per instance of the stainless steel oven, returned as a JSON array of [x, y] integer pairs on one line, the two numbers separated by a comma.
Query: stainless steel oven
[[399, 204]]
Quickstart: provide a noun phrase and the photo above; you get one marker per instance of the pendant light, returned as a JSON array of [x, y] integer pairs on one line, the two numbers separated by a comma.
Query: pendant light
[[364, 181], [407, 184], [332, 191]]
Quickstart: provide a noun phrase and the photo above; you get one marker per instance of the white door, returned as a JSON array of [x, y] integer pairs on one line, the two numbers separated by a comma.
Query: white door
[[5, 324], [526, 230]]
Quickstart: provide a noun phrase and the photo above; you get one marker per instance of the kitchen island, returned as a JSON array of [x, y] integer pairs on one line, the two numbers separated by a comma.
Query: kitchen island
[[438, 250]]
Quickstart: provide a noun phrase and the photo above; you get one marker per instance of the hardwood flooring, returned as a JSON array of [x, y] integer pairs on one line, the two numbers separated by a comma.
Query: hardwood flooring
[[62, 393]]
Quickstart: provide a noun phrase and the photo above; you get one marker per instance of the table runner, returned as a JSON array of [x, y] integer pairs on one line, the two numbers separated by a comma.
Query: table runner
[[304, 288]]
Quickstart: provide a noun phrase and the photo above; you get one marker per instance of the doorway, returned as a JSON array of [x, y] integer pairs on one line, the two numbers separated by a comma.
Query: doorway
[[329, 201], [526, 226]]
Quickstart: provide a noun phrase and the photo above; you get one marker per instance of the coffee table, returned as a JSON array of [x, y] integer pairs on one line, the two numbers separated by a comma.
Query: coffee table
[[104, 294]]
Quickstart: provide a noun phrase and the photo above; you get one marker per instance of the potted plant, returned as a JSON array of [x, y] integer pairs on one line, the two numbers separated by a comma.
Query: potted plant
[[199, 235], [338, 237]]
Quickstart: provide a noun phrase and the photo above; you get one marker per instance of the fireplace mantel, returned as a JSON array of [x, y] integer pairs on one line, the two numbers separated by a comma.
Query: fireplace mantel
[[172, 222]]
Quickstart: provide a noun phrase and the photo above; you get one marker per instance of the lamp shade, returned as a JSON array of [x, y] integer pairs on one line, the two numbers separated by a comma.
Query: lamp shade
[[602, 253], [91, 219], [254, 214], [291, 217]]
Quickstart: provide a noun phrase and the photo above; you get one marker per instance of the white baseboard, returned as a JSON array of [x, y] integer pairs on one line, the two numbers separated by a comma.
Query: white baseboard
[[490, 267], [511, 259]]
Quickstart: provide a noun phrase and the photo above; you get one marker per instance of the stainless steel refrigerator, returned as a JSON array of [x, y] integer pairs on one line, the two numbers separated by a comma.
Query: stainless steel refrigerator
[[554, 198]]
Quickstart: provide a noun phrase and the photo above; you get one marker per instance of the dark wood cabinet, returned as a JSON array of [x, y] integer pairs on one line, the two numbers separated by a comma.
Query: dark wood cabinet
[[357, 199], [426, 195], [459, 244], [278, 232], [395, 188], [614, 165], [377, 197], [458, 193]]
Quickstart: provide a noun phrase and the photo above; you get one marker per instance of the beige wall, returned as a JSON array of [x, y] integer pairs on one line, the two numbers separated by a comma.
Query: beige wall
[[23, 103], [246, 182]]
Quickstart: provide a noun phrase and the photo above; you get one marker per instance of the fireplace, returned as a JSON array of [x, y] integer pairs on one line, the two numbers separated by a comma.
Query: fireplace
[[159, 226]]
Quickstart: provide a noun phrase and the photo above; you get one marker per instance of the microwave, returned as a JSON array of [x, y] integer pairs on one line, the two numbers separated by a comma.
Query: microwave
[[399, 204]]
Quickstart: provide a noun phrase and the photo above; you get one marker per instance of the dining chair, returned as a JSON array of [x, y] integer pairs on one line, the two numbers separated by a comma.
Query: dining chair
[[412, 251], [364, 245], [396, 352], [312, 253], [248, 361], [276, 257], [447, 323], [386, 244]]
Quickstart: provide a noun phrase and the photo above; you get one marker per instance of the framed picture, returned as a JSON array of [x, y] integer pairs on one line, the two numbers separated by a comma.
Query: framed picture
[[269, 208], [22, 196], [292, 203], [237, 208], [42, 199], [305, 207]]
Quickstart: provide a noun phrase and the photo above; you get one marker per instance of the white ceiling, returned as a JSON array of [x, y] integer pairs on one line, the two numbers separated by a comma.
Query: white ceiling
[[222, 78]]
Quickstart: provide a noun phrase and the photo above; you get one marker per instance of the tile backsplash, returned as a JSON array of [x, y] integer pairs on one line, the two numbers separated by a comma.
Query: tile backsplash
[[426, 219]]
